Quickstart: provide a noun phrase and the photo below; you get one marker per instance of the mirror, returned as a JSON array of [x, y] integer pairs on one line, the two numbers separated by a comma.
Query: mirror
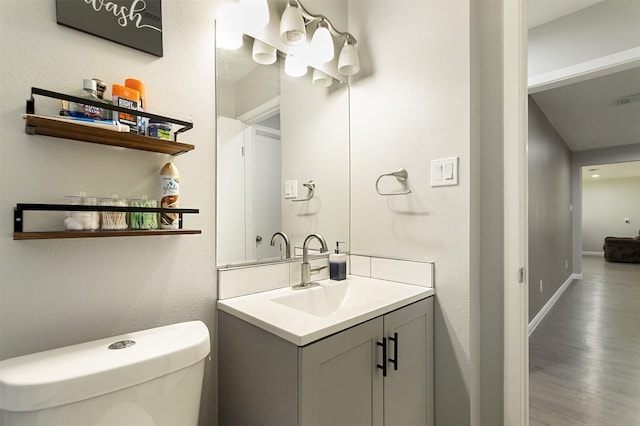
[[279, 139]]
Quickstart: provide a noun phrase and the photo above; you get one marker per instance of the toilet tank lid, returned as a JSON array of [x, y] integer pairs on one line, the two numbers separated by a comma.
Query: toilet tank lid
[[73, 373]]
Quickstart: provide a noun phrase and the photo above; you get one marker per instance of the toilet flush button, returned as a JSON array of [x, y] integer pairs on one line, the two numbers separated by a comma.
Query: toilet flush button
[[122, 344]]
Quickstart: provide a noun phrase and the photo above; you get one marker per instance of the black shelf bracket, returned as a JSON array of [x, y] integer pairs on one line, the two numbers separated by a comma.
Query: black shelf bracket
[[18, 211]]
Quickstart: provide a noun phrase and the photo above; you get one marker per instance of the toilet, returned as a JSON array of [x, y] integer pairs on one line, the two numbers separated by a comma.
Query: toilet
[[146, 378]]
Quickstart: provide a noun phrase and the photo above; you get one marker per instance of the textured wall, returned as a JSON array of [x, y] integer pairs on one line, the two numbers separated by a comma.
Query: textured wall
[[410, 104], [550, 243], [60, 292]]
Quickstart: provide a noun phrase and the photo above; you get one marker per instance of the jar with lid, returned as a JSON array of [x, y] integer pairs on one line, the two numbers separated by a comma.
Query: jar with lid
[[81, 220], [113, 220], [159, 129], [143, 220]]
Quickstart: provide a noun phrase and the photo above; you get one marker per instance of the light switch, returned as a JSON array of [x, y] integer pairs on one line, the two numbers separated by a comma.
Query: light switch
[[291, 189], [436, 171], [448, 171], [444, 171]]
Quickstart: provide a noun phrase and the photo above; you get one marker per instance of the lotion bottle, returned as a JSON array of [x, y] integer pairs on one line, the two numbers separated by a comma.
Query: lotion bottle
[[338, 264]]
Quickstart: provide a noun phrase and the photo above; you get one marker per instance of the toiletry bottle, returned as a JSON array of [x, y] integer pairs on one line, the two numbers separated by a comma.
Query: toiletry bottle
[[169, 190], [72, 109], [135, 84], [338, 264], [101, 89], [126, 97]]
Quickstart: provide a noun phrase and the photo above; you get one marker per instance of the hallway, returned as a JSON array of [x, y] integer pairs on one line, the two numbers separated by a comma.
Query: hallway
[[584, 360]]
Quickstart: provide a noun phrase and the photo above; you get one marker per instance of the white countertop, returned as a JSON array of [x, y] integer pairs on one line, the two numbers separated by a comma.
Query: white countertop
[[306, 315]]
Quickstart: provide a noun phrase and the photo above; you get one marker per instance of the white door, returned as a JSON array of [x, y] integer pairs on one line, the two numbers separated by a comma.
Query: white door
[[264, 192], [230, 192]]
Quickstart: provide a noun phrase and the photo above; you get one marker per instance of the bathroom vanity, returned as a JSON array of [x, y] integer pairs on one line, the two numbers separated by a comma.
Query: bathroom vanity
[[354, 352]]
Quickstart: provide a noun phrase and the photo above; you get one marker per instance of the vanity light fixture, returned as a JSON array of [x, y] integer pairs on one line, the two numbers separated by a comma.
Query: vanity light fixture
[[293, 30], [322, 43], [255, 12], [262, 53], [295, 65], [228, 28], [321, 79], [348, 61]]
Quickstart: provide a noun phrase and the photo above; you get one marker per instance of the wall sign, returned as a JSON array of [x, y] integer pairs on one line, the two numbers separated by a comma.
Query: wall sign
[[134, 23]]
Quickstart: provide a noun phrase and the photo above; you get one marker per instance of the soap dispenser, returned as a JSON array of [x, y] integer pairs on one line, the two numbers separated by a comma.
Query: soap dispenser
[[337, 264]]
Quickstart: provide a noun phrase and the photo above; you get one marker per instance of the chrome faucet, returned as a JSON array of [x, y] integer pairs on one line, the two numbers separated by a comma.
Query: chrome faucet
[[307, 270], [287, 244]]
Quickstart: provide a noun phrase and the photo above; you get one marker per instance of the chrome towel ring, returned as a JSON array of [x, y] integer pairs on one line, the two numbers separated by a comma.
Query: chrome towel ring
[[311, 186], [401, 175]]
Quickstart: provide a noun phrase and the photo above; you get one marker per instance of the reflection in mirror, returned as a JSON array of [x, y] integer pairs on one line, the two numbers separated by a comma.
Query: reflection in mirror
[[275, 134]]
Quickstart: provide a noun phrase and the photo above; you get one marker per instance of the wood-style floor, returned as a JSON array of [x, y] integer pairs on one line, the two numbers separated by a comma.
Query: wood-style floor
[[584, 357]]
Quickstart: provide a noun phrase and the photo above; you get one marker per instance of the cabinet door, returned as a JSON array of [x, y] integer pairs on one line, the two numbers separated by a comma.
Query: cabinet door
[[408, 387], [340, 384]]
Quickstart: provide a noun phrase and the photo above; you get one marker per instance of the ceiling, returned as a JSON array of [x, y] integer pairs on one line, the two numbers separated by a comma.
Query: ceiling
[[542, 11], [586, 114]]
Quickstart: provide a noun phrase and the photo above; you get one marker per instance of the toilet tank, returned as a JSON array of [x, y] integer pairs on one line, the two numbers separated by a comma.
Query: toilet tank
[[145, 378]]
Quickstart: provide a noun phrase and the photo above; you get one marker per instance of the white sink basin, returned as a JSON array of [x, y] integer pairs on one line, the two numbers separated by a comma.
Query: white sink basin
[[305, 315], [327, 299]]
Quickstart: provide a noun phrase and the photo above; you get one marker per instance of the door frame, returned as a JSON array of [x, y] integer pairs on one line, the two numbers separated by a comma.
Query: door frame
[[516, 303]]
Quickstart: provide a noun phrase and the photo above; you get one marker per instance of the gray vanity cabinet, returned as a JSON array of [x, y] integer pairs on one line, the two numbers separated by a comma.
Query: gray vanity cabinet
[[339, 380], [408, 390]]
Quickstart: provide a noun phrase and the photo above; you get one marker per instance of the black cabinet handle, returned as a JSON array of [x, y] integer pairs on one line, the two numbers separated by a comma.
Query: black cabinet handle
[[383, 367], [394, 360]]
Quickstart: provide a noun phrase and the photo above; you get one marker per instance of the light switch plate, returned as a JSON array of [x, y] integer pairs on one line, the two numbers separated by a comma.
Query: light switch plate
[[291, 189], [444, 171]]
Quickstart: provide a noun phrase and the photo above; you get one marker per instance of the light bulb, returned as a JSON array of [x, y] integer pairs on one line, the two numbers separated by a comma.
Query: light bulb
[[263, 53], [295, 66], [322, 43], [255, 13], [348, 61], [228, 32], [321, 79], [292, 28]]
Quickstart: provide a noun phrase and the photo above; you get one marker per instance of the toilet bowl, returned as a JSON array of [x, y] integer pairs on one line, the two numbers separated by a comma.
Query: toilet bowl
[[146, 378]]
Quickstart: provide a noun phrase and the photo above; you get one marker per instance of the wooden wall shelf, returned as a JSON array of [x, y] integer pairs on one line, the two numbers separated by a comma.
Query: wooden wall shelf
[[19, 234], [39, 125], [54, 126], [97, 234]]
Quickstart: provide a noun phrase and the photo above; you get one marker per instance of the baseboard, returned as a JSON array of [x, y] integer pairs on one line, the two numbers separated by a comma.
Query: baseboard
[[593, 253], [547, 307]]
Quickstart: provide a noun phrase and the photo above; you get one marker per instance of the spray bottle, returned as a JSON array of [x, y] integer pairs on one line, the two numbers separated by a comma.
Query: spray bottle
[[169, 191]]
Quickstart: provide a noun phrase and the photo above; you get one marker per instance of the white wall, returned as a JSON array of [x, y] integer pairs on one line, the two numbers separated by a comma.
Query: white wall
[[605, 205], [317, 150], [410, 104], [60, 292], [603, 29]]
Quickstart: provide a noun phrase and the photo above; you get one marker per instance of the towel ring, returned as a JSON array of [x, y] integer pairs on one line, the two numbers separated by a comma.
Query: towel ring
[[311, 185], [401, 175]]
